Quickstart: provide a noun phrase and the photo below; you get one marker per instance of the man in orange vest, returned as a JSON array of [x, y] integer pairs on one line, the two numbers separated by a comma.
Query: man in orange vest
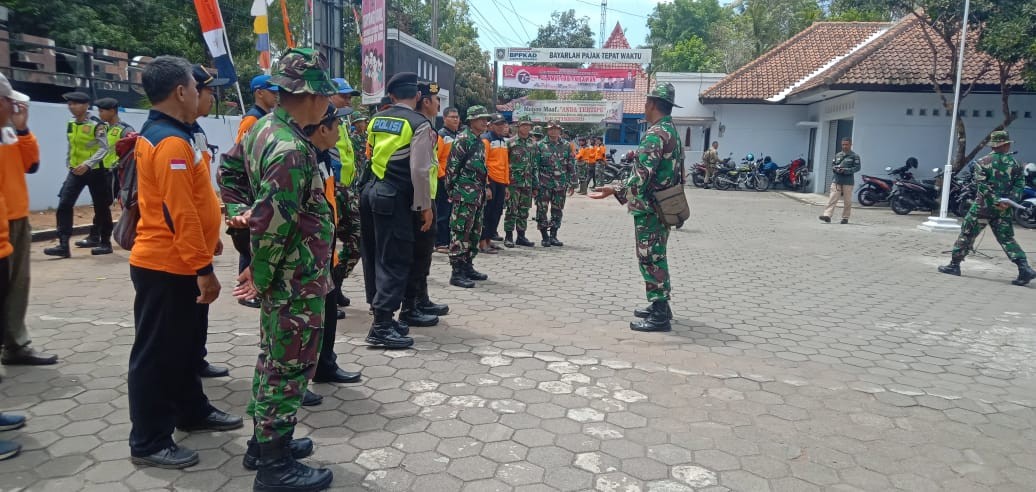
[[499, 177], [447, 134]]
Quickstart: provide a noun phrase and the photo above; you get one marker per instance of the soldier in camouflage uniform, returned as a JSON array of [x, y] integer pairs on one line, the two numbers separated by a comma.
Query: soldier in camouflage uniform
[[467, 186], [656, 168], [997, 176], [537, 133], [292, 227], [557, 173], [524, 154]]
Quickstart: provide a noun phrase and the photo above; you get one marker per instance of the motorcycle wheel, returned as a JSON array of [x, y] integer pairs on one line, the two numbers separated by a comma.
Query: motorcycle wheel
[[1026, 217], [868, 196], [698, 179], [899, 205], [762, 183], [721, 183]]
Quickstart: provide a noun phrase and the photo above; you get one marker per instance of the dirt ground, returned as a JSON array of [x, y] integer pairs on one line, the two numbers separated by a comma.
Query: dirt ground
[[47, 219]]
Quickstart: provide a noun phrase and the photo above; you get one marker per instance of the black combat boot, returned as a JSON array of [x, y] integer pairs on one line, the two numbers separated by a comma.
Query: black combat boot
[[474, 274], [279, 472], [61, 250], [658, 320], [953, 268], [385, 332], [343, 301], [546, 239], [299, 448], [89, 242], [524, 241], [425, 304], [582, 187], [509, 239], [1025, 273], [104, 248], [646, 312], [554, 238], [459, 277], [414, 316]]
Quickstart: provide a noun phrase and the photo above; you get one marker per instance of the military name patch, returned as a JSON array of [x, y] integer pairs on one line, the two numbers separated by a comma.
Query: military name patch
[[386, 125]]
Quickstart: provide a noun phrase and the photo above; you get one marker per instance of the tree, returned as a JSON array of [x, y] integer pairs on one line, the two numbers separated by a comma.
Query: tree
[[564, 30], [673, 22], [688, 55], [771, 22]]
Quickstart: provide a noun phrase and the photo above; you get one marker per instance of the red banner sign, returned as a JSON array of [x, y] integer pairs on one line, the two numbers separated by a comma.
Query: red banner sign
[[570, 79]]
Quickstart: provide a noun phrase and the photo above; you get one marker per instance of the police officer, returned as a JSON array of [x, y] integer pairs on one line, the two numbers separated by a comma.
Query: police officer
[[997, 176], [656, 167], [292, 226], [396, 190], [418, 309], [87, 148], [108, 111]]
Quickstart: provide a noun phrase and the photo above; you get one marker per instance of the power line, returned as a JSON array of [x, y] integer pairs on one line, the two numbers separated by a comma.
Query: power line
[[520, 17], [507, 20], [613, 9], [491, 30]]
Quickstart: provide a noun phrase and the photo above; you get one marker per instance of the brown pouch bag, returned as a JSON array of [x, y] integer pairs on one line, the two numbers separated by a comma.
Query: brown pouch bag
[[670, 203]]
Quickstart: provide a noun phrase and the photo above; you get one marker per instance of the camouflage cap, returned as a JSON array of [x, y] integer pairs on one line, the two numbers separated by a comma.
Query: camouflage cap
[[665, 92], [553, 124], [999, 137], [537, 130], [303, 71], [358, 115], [525, 120], [478, 112]]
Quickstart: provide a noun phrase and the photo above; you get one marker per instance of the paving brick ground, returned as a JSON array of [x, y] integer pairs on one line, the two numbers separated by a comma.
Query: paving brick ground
[[805, 356]]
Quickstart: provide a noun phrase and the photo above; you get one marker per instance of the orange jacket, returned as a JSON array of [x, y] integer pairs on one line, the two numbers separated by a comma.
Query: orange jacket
[[443, 155], [180, 220], [15, 161], [5, 234], [246, 124], [496, 159]]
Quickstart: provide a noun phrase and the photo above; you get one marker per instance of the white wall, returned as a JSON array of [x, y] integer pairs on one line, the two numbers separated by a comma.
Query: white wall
[[884, 135], [48, 122], [688, 87], [762, 130]]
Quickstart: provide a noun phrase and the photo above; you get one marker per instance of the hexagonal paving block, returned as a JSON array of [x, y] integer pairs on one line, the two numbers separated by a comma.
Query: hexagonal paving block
[[389, 480], [425, 463], [617, 482], [533, 437], [491, 432], [520, 473], [584, 415], [472, 468], [568, 478], [459, 447], [449, 428], [416, 442], [669, 454], [596, 463], [645, 468], [379, 458]]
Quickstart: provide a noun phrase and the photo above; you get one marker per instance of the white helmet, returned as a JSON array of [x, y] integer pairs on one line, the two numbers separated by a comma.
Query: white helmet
[[1030, 169]]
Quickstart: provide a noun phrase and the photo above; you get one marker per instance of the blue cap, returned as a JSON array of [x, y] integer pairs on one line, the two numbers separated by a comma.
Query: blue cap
[[262, 82], [345, 88]]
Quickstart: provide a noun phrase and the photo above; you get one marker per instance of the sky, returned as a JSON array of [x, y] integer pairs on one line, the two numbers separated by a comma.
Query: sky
[[500, 27]]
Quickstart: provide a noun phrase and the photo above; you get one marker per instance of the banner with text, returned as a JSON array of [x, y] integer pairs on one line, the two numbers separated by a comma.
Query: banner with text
[[569, 79], [573, 55], [372, 68], [570, 111]]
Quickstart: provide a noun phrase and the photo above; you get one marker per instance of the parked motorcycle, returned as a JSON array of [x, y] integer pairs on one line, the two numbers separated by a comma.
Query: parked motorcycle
[[745, 176], [769, 169], [793, 176], [910, 195], [876, 190], [1026, 217], [697, 174]]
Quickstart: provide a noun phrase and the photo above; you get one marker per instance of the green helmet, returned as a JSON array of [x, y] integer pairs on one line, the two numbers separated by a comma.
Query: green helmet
[[525, 120], [303, 71]]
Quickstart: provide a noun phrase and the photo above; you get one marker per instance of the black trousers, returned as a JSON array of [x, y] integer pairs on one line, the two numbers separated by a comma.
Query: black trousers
[[494, 210], [328, 360], [243, 244], [5, 286], [164, 387], [443, 208], [99, 183], [424, 247], [386, 244]]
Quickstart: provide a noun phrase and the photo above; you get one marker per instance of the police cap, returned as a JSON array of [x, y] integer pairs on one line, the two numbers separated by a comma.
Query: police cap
[[401, 80], [204, 78], [427, 88], [107, 103], [76, 97]]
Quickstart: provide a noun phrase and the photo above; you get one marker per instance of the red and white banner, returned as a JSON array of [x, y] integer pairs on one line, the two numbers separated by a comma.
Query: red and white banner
[[570, 79]]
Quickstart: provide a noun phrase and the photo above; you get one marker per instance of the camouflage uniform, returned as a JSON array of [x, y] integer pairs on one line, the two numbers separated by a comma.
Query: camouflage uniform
[[557, 174], [996, 176], [582, 167], [466, 178], [524, 155], [656, 166], [292, 226]]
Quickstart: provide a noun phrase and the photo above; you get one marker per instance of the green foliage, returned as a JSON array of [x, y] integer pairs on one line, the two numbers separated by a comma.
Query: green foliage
[[688, 55], [672, 22]]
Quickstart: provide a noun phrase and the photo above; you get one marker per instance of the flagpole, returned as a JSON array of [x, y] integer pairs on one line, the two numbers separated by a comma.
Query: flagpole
[[226, 40]]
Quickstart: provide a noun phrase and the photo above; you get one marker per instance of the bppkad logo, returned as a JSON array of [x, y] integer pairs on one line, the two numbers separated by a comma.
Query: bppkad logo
[[522, 54], [524, 77]]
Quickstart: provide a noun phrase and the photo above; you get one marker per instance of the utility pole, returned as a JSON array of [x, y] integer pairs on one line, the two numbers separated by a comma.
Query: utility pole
[[604, 18], [435, 24]]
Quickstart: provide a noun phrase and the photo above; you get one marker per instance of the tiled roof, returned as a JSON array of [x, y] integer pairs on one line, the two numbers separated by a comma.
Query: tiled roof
[[793, 61], [903, 57], [632, 102]]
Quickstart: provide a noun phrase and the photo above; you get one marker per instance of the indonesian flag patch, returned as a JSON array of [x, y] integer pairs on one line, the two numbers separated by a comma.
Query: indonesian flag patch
[[178, 164]]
